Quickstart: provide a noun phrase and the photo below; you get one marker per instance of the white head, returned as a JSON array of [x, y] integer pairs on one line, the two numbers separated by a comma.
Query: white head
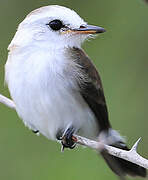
[[54, 27]]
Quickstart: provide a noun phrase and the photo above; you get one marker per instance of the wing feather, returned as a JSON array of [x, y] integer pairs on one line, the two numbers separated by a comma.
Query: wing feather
[[91, 89]]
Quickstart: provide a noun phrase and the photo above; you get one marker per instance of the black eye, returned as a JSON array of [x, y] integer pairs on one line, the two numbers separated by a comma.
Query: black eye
[[56, 25]]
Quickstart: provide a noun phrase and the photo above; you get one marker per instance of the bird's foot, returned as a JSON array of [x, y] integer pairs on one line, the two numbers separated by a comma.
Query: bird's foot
[[67, 139], [35, 131]]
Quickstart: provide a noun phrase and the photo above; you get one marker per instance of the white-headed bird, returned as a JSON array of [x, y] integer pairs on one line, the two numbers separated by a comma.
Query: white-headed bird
[[55, 86]]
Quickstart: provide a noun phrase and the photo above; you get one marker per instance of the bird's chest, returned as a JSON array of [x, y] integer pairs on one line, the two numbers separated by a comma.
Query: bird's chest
[[38, 72], [47, 96], [38, 78]]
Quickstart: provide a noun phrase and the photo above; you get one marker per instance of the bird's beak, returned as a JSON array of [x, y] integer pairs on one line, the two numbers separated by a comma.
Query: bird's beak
[[87, 29]]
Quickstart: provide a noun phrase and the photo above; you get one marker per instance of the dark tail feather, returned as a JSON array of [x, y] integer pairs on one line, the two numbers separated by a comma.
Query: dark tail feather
[[122, 167]]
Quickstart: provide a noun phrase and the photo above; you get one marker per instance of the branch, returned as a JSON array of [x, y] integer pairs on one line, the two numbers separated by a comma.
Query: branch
[[130, 155], [8, 102]]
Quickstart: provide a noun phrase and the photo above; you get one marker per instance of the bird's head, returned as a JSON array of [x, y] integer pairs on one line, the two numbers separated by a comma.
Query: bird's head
[[54, 27]]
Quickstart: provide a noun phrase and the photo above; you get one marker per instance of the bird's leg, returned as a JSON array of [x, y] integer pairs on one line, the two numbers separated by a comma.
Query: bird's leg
[[66, 138]]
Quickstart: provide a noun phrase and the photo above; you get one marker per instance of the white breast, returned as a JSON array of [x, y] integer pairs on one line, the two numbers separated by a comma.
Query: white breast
[[46, 95]]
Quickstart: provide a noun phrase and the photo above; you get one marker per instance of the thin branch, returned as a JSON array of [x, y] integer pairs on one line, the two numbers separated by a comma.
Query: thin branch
[[8, 102], [131, 155]]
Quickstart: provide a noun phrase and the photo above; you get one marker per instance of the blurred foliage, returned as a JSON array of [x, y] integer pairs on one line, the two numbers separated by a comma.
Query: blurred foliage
[[120, 54]]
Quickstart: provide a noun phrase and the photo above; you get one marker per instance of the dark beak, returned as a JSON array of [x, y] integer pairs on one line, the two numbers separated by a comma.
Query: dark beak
[[89, 29]]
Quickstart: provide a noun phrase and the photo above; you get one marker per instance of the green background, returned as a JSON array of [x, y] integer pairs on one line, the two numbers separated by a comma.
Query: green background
[[120, 54]]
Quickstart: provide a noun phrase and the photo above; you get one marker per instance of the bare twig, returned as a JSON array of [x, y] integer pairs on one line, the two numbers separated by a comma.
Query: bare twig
[[131, 155], [8, 102]]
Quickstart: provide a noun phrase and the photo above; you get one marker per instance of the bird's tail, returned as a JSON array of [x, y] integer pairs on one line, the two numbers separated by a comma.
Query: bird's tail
[[119, 166]]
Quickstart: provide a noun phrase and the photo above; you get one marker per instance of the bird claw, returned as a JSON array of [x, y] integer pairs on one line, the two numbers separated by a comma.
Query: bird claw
[[67, 139], [65, 146]]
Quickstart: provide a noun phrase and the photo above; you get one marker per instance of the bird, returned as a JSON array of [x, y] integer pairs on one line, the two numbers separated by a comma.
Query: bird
[[56, 87]]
